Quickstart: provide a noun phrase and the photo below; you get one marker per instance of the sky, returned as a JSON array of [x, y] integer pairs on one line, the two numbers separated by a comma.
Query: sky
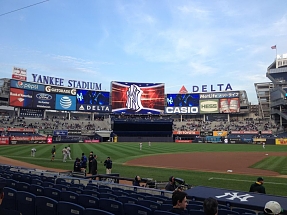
[[190, 43]]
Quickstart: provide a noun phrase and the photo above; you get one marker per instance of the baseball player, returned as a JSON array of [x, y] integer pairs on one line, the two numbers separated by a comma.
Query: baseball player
[[263, 145], [33, 152], [141, 145], [53, 152], [69, 152], [65, 153], [149, 144]]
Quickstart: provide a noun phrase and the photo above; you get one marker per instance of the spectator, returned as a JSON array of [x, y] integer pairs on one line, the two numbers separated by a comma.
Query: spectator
[[210, 206], [273, 207], [258, 187], [171, 186], [137, 180], [84, 161], [91, 158], [179, 202], [108, 164], [94, 167]]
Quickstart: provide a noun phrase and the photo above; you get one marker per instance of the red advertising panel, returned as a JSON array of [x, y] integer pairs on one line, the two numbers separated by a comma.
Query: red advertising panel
[[137, 98], [244, 132], [230, 105], [186, 132], [4, 140], [183, 141], [266, 132], [49, 140], [20, 98], [21, 129], [28, 138], [2, 129], [91, 141]]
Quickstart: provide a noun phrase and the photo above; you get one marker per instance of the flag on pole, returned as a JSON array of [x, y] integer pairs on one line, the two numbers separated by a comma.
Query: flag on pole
[[273, 47]]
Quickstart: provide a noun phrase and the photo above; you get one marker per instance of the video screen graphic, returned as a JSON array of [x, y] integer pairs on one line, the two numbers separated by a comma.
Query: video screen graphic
[[93, 97], [208, 106], [20, 98], [182, 100], [65, 102], [137, 98], [44, 100], [229, 105]]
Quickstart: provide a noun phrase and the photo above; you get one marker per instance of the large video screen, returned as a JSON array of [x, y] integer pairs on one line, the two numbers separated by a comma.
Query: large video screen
[[20, 98], [137, 98], [93, 97], [182, 100]]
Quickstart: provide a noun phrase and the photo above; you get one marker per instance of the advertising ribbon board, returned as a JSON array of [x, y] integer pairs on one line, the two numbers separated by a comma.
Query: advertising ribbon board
[[186, 132], [281, 141], [183, 141], [220, 133], [4, 140]]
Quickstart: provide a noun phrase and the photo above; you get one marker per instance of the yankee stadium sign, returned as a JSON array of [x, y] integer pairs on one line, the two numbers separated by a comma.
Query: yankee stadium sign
[[48, 80]]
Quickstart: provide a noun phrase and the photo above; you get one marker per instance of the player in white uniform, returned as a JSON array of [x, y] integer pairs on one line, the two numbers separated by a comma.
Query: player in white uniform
[[263, 145], [33, 152], [149, 144], [65, 153], [141, 145], [69, 152]]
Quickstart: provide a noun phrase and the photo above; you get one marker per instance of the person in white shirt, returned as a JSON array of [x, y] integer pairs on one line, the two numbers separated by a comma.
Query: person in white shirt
[[141, 145], [65, 153], [149, 144], [263, 145], [33, 152], [69, 152]]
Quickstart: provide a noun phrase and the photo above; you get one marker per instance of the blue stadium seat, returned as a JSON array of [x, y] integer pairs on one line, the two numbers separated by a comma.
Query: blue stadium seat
[[50, 179], [68, 196], [61, 187], [224, 207], [48, 184], [165, 207], [196, 212], [145, 194], [105, 190], [26, 178], [94, 188], [68, 208], [195, 203], [9, 202], [17, 177], [92, 211], [126, 199], [137, 196], [111, 206], [36, 190], [117, 189], [22, 186], [75, 190], [149, 204], [120, 193], [133, 209], [45, 206], [156, 199], [104, 187], [243, 211], [80, 186], [108, 196], [88, 201], [11, 183], [227, 212], [25, 203], [60, 181], [168, 202], [52, 193], [194, 207], [37, 182], [159, 212], [130, 192], [92, 193]]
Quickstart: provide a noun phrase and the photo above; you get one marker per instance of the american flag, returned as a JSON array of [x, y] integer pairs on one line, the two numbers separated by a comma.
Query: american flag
[[273, 47]]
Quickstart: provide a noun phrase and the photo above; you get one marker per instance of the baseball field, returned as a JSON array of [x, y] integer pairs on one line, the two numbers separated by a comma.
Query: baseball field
[[215, 165]]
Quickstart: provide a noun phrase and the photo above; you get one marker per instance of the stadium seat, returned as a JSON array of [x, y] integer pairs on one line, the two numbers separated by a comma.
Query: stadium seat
[[80, 186], [137, 196], [17, 177], [196, 212], [194, 207], [92, 211], [117, 189], [223, 207], [25, 203], [48, 184], [133, 209], [88, 201], [243, 211], [50, 179], [22, 186], [52, 193], [130, 192], [195, 203], [94, 188], [227, 212], [165, 207], [149, 204], [36, 190], [26, 178], [92, 193], [60, 181], [145, 194], [104, 187], [156, 199], [120, 193], [75, 190], [159, 212], [111, 206], [9, 202], [45, 206], [105, 190], [68, 196], [126, 199], [37, 182], [61, 187], [108, 196], [68, 208], [11, 183]]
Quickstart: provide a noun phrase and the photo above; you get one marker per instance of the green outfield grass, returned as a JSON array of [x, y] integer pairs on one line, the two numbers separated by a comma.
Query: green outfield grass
[[122, 152]]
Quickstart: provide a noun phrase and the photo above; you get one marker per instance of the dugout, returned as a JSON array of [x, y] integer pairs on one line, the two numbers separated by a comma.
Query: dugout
[[134, 130]]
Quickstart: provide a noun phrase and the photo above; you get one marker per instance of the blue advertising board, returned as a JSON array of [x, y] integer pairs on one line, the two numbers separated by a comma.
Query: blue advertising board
[[26, 85], [44, 100], [60, 133], [65, 102], [90, 97], [182, 100]]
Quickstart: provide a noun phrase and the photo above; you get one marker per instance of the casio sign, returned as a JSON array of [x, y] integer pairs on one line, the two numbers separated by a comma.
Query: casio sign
[[43, 96], [181, 110]]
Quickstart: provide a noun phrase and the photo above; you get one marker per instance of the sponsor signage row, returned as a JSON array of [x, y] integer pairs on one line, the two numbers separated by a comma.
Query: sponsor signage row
[[28, 138], [21, 129], [244, 132], [91, 141], [281, 141], [4, 140], [186, 132]]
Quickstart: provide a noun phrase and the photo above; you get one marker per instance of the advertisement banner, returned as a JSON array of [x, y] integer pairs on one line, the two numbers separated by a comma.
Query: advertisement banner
[[20, 98], [281, 141], [60, 133], [181, 110], [244, 132], [88, 132], [186, 132], [2, 129], [182, 100], [266, 132], [60, 90], [19, 74], [4, 140], [229, 105], [65, 102], [183, 141], [90, 97], [44, 100], [26, 130], [46, 131], [32, 113], [27, 85], [219, 95], [206, 133], [216, 117], [94, 108], [29, 138], [91, 141], [137, 98], [74, 132], [220, 133], [208, 106]]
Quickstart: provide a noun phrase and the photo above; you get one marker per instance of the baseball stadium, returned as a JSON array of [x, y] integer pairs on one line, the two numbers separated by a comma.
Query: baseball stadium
[[212, 143]]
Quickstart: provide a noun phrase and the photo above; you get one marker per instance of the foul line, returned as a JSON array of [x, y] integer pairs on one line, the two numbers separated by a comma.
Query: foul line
[[229, 179]]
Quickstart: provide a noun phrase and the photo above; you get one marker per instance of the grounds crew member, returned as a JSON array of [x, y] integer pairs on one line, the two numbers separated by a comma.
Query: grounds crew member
[[258, 187]]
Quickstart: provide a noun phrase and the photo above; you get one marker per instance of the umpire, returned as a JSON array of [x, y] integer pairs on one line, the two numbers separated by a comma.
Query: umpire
[[258, 187]]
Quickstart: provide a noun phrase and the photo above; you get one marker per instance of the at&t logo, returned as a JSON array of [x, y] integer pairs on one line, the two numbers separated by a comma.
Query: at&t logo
[[65, 102]]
